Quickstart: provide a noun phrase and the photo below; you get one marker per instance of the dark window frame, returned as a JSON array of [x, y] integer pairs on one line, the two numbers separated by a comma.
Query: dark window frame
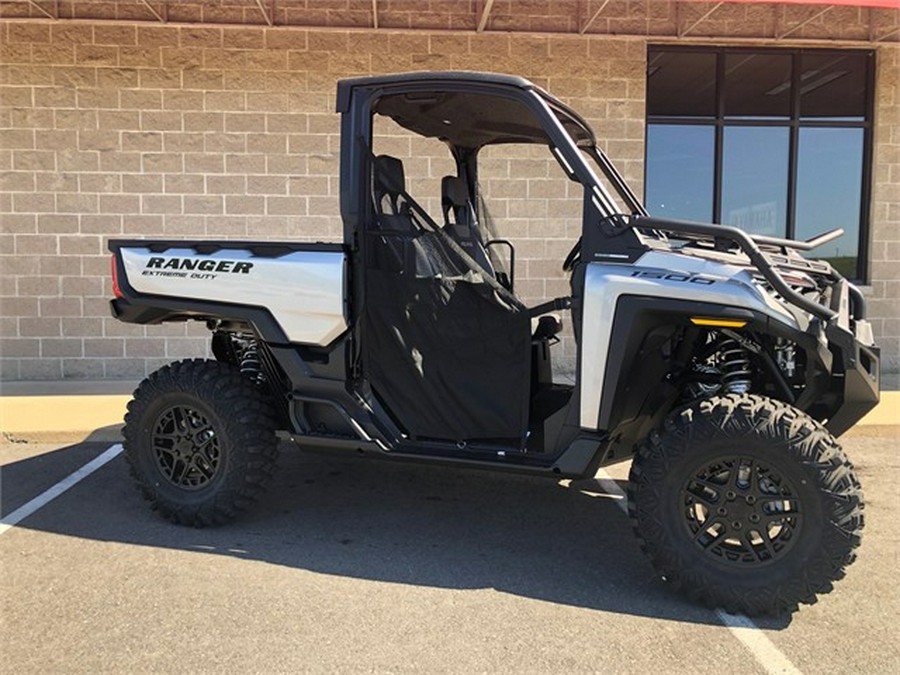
[[794, 123]]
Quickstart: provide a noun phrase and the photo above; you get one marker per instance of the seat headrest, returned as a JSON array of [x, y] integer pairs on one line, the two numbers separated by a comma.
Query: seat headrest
[[454, 191], [389, 176]]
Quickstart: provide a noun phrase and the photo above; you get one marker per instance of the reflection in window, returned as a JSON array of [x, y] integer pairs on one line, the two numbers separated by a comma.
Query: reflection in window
[[755, 178], [782, 152], [833, 86], [671, 74], [680, 171], [757, 85], [829, 188]]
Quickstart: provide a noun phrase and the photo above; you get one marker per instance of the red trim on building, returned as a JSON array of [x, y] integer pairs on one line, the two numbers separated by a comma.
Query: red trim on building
[[885, 4]]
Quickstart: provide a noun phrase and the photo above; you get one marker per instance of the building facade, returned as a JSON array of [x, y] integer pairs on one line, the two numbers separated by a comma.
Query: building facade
[[216, 120]]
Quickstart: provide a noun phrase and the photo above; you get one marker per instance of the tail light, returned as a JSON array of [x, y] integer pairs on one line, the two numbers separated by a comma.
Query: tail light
[[117, 291]]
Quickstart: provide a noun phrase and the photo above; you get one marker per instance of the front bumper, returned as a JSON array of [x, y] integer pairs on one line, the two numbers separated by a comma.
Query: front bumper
[[861, 388]]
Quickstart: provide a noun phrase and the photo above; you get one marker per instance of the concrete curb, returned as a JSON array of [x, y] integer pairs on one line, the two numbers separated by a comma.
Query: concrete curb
[[55, 418], [61, 418]]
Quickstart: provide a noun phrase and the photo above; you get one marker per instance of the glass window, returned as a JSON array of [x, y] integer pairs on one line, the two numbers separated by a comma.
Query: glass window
[[833, 86], [755, 179], [783, 152], [758, 85], [680, 171], [671, 74], [829, 189]]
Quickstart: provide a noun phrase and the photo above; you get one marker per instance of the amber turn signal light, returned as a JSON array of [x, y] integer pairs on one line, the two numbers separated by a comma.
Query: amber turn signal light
[[718, 323]]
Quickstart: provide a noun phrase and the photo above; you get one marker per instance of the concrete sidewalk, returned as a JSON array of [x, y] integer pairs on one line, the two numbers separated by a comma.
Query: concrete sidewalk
[[72, 411]]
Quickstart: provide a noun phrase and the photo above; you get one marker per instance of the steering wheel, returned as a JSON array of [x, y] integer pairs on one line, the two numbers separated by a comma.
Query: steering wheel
[[573, 257]]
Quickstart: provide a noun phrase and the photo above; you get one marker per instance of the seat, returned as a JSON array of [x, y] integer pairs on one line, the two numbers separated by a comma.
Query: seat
[[411, 248], [461, 223], [393, 221], [389, 186]]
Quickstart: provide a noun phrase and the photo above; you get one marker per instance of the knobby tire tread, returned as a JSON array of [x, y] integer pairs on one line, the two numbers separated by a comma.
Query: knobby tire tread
[[249, 427], [787, 429]]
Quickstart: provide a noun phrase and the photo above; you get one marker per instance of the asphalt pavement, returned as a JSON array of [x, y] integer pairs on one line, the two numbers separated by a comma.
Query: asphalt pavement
[[357, 565]]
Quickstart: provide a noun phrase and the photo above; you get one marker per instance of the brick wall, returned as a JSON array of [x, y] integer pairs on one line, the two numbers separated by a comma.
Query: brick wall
[[139, 129], [164, 131], [884, 298]]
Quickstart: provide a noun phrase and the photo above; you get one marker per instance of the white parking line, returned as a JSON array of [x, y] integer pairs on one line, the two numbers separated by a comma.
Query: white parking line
[[750, 635], [14, 518], [768, 655]]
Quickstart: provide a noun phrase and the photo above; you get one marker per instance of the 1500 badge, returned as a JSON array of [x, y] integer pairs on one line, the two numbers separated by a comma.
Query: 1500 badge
[[674, 276], [194, 268]]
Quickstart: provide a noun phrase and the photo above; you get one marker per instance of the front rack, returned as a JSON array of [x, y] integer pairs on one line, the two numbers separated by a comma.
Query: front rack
[[751, 248]]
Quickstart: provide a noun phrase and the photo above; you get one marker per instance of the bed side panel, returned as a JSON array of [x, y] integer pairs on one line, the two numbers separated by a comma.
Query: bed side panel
[[303, 290]]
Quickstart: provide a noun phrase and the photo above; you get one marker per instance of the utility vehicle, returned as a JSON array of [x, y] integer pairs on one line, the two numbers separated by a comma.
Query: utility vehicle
[[724, 364]]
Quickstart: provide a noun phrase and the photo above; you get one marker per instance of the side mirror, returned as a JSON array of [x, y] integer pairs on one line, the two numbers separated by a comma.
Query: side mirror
[[505, 280]]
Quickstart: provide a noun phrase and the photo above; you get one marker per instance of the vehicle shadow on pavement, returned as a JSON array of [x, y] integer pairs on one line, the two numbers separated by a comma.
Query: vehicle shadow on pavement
[[392, 522]]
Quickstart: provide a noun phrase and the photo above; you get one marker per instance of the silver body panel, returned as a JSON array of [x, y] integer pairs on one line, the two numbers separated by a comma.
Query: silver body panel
[[691, 279], [304, 290]]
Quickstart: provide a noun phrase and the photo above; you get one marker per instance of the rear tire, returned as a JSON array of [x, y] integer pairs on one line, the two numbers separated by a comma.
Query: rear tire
[[200, 441], [745, 503]]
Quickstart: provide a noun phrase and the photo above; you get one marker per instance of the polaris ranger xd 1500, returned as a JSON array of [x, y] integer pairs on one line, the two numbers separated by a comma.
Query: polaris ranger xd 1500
[[724, 364]]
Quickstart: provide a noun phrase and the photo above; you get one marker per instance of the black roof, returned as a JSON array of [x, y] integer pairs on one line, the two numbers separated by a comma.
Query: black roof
[[464, 118], [436, 76]]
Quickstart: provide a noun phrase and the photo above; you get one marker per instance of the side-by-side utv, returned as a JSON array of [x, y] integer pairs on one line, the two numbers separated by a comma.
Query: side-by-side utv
[[724, 364]]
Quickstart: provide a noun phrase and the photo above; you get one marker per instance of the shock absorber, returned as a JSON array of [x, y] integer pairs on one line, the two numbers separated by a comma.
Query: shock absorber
[[250, 363], [735, 366]]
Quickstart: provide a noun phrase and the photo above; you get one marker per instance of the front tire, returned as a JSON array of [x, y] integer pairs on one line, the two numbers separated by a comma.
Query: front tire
[[200, 441], [745, 503]]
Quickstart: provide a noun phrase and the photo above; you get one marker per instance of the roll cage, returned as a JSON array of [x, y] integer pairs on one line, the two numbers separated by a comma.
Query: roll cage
[[411, 100], [451, 106]]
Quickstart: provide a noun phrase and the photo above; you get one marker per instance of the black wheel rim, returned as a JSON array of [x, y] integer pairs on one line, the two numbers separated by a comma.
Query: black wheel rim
[[186, 448], [741, 511]]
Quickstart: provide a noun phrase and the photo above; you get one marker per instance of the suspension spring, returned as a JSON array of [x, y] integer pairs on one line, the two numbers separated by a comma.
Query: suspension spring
[[735, 365], [250, 363]]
